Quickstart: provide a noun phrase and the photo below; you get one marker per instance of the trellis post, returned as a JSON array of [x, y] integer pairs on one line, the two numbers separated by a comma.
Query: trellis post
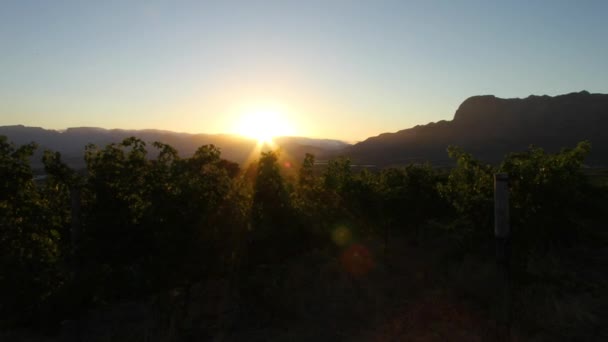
[[502, 234]]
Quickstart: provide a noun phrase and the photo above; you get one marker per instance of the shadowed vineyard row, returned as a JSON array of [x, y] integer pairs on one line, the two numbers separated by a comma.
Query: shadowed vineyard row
[[130, 227]]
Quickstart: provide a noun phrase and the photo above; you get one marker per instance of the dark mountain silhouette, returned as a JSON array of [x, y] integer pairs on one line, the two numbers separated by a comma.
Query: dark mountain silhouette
[[486, 126], [71, 142], [490, 127]]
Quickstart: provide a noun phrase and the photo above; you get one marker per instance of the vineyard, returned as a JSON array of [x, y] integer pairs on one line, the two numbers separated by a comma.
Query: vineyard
[[143, 248]]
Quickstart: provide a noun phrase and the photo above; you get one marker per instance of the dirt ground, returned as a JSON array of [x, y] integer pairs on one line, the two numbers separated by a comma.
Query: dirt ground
[[362, 292]]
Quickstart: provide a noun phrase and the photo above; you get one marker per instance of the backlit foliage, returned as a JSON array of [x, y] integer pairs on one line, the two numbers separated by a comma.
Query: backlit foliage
[[151, 221]]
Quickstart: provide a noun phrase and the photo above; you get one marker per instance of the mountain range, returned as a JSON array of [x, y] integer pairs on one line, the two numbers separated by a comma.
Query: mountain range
[[72, 141], [490, 127], [486, 126]]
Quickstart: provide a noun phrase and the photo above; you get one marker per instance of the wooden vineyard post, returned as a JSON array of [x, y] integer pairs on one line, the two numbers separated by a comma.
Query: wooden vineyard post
[[502, 234]]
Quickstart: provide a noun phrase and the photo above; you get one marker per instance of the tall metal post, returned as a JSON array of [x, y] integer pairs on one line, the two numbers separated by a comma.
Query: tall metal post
[[502, 234], [76, 229], [72, 329]]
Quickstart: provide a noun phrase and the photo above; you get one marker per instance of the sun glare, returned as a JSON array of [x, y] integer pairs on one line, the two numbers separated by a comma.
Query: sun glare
[[263, 125]]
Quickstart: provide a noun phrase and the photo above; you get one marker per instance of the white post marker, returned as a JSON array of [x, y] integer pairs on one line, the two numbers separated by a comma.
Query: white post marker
[[501, 206]]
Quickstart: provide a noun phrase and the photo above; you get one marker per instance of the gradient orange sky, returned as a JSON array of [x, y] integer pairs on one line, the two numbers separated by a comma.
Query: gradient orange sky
[[336, 69]]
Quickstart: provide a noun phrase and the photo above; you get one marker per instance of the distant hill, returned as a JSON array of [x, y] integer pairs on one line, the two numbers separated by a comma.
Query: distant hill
[[71, 142], [486, 126], [490, 127]]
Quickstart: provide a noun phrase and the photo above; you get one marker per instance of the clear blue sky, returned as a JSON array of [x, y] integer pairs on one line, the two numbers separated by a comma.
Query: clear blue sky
[[338, 69]]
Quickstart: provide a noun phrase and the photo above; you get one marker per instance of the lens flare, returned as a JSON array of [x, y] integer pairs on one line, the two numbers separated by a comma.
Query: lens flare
[[357, 260], [341, 236]]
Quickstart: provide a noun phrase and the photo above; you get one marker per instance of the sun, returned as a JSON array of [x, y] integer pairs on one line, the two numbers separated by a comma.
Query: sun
[[263, 125]]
